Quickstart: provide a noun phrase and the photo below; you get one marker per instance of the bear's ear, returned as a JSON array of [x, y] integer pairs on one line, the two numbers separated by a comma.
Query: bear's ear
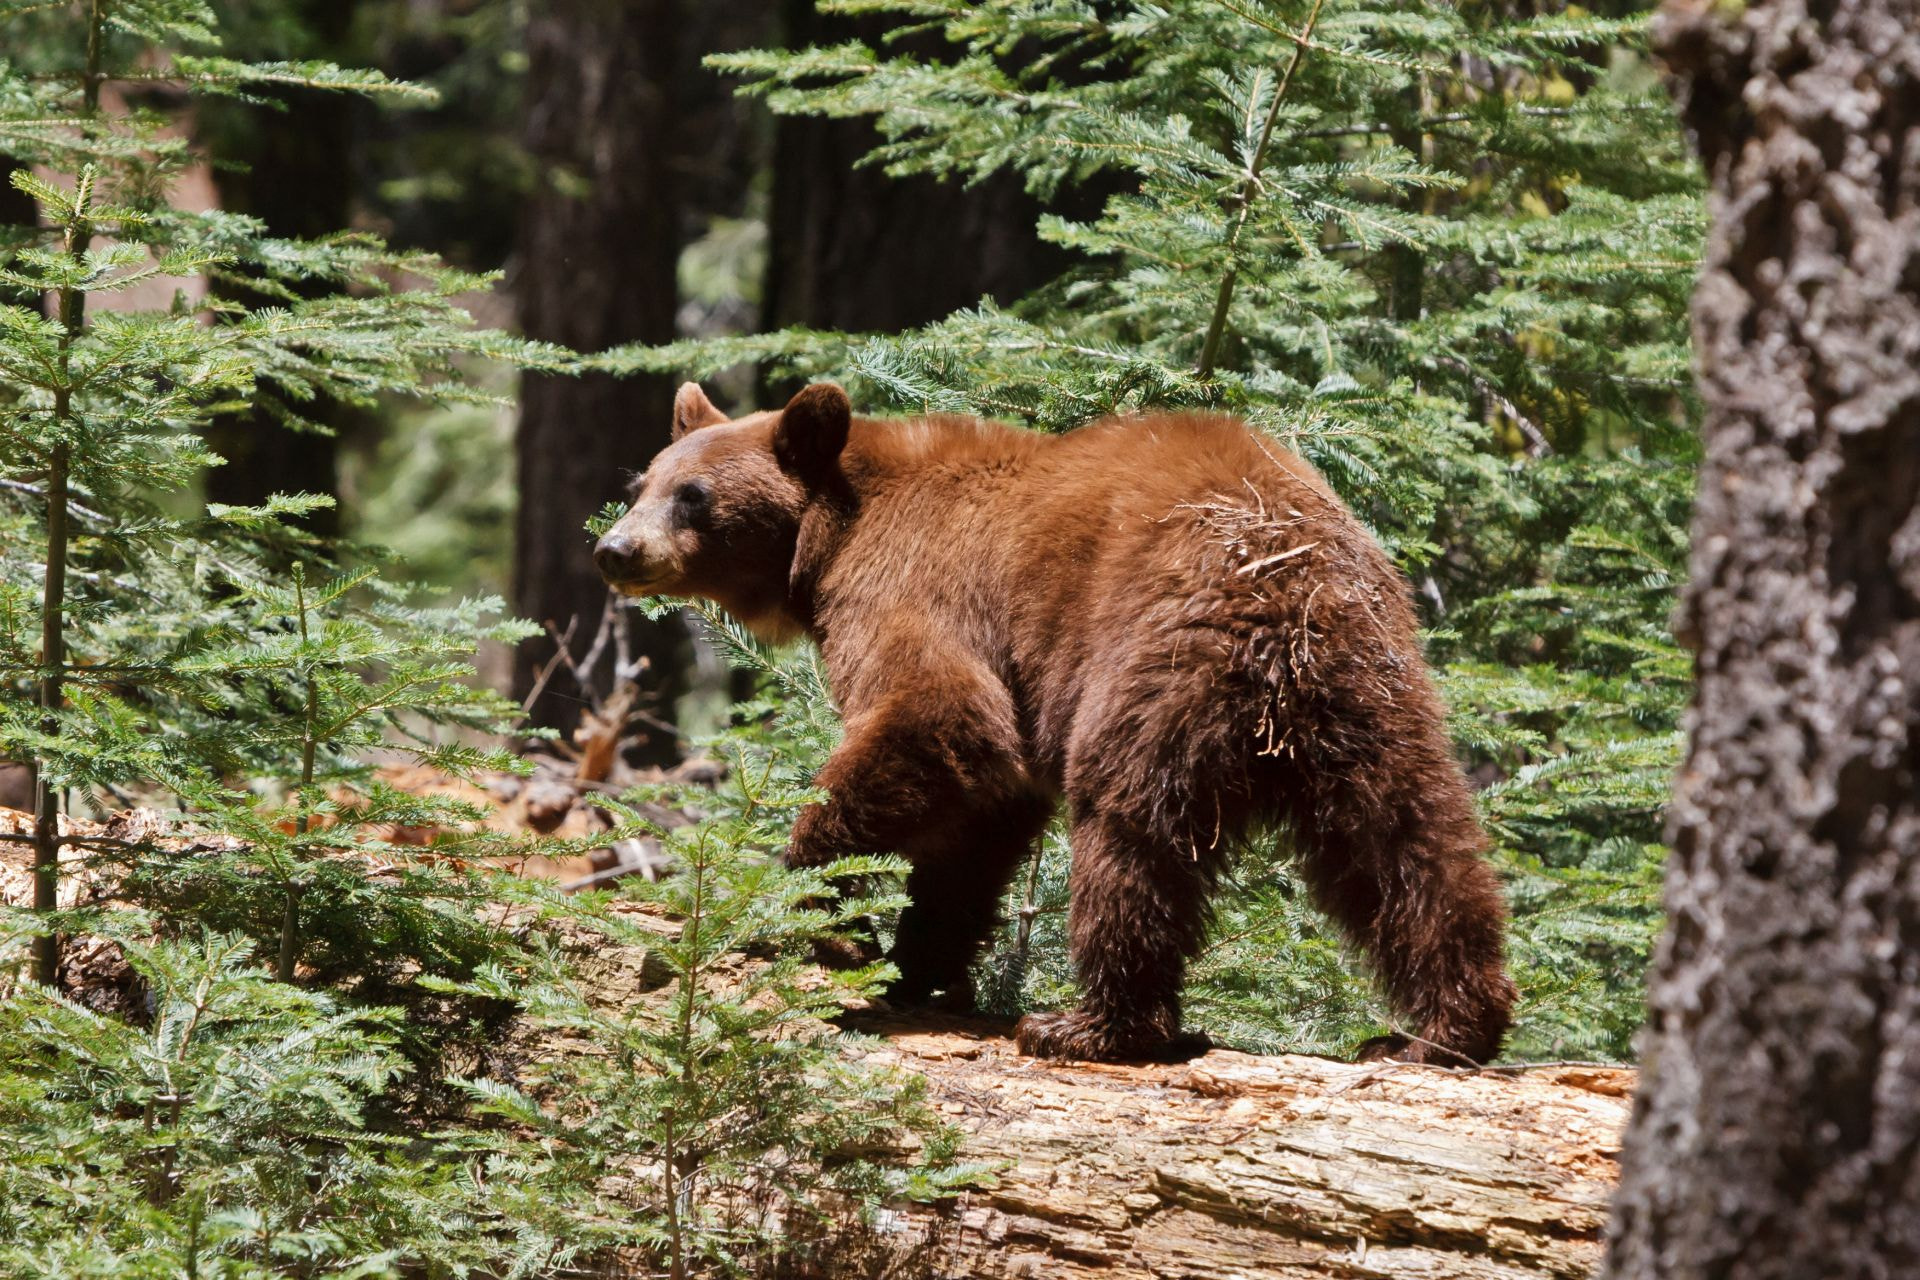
[[692, 410], [813, 429]]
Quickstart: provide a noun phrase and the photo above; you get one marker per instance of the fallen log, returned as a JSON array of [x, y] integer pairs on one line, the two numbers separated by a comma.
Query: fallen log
[[1232, 1166]]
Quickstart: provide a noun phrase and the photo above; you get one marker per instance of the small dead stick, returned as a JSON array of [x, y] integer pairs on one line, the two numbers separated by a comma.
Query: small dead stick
[[599, 877], [1386, 1062], [607, 717], [626, 667], [590, 660], [1537, 442], [1023, 932], [580, 670], [599, 732], [553, 664]]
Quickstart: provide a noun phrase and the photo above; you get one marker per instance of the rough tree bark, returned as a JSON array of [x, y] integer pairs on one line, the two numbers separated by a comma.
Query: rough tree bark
[[599, 247], [1778, 1131], [1235, 1167]]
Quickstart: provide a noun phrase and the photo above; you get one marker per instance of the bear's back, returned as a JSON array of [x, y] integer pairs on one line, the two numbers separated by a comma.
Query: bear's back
[[954, 506], [1036, 477], [1184, 458], [1040, 552]]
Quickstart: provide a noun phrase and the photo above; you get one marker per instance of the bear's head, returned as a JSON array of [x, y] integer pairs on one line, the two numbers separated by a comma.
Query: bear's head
[[718, 512]]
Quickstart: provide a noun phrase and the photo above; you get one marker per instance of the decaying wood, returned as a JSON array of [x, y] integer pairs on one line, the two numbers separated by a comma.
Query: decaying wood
[[1235, 1166]]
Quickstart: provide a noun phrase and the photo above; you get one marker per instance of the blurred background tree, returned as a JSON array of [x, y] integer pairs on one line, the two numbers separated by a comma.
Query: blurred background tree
[[855, 248], [599, 248], [292, 167]]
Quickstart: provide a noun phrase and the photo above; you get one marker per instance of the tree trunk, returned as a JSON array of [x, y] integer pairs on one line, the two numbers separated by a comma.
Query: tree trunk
[[297, 178], [851, 248], [1778, 1132], [599, 246], [1235, 1167]]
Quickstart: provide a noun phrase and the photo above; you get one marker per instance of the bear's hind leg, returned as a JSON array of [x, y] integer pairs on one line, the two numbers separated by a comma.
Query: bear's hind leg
[[1392, 852], [1139, 911]]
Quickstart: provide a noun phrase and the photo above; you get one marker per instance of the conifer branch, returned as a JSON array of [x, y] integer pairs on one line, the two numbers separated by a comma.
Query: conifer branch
[[1223, 302], [310, 715], [1537, 442]]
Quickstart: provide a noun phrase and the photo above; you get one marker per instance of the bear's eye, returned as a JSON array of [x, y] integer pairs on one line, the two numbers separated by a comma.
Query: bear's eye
[[691, 498]]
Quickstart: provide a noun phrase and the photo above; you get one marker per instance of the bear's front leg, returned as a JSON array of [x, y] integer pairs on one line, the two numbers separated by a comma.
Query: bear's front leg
[[960, 873], [937, 777], [889, 781]]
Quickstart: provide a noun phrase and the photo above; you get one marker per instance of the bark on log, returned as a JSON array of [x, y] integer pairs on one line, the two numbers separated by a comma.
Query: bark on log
[[1235, 1166]]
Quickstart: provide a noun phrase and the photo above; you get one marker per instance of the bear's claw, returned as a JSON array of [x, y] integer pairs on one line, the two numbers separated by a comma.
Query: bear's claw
[[1383, 1049], [1400, 1048], [845, 952]]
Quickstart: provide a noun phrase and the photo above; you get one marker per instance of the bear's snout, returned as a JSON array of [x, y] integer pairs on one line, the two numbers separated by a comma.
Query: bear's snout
[[617, 556]]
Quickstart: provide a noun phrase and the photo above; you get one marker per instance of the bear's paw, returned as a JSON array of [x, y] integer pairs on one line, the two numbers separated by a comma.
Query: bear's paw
[[1085, 1037]]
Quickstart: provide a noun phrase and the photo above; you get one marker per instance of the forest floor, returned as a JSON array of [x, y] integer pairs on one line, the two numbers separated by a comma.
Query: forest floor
[[1224, 1167]]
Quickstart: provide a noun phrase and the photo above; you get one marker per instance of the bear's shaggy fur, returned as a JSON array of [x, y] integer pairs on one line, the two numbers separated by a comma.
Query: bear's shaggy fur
[[1167, 621]]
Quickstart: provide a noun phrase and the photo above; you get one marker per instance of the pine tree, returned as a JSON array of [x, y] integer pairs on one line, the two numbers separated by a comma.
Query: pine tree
[[751, 1127], [144, 617]]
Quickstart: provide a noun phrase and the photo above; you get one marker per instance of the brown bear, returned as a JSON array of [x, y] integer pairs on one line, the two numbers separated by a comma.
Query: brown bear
[[1167, 620]]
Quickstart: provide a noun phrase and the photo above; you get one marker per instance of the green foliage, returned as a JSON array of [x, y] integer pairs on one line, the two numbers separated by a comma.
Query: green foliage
[[220, 659], [217, 1116], [1441, 251], [437, 488], [349, 668], [722, 1121], [228, 1135], [113, 403], [197, 650]]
